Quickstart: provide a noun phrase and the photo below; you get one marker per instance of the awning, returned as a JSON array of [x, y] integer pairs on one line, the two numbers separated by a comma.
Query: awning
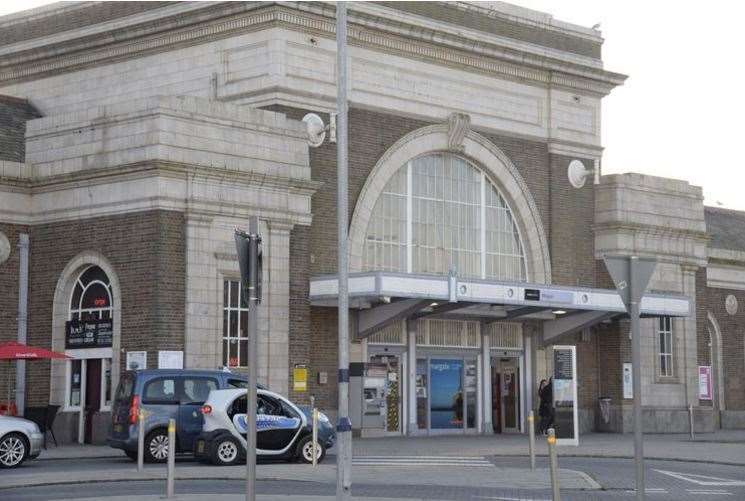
[[386, 297]]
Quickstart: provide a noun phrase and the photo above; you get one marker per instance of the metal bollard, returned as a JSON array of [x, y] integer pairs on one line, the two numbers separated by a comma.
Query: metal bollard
[[314, 436], [531, 439], [171, 457], [140, 440], [553, 464], [690, 419]]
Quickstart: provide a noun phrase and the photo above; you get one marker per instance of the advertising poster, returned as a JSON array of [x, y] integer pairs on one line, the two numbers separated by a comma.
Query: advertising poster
[[628, 381], [300, 378], [565, 395], [704, 382], [446, 397]]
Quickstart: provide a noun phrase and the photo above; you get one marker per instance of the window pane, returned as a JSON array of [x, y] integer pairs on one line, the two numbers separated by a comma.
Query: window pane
[[233, 323], [243, 353], [233, 294], [75, 380], [224, 352], [160, 390], [233, 356], [244, 324], [196, 390]]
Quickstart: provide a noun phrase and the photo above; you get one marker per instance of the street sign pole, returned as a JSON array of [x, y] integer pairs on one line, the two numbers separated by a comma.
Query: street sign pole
[[631, 276], [344, 425], [636, 367], [249, 260]]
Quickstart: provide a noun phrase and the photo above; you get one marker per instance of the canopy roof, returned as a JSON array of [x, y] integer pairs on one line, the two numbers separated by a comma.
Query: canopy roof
[[384, 297]]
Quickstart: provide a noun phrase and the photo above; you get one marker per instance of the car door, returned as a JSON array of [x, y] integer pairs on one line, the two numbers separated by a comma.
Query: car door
[[193, 392], [276, 423], [159, 401]]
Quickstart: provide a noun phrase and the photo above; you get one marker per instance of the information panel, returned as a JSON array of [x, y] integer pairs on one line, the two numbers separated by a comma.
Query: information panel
[[565, 395]]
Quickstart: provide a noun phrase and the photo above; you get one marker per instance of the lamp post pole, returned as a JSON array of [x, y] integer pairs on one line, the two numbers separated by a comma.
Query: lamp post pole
[[344, 426]]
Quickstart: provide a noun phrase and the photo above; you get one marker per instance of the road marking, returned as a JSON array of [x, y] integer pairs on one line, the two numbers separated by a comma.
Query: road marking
[[710, 492], [709, 481], [507, 499], [649, 490], [471, 462]]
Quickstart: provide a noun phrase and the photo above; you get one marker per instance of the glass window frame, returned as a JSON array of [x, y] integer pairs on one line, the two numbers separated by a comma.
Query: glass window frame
[[665, 342], [237, 310]]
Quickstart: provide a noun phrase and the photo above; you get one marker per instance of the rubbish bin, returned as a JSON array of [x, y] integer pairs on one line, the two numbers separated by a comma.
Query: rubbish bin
[[604, 403]]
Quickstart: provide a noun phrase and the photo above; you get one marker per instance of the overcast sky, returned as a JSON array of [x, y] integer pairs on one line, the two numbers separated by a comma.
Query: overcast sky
[[681, 111]]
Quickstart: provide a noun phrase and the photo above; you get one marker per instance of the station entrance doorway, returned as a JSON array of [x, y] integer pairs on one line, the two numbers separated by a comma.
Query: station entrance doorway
[[505, 393]]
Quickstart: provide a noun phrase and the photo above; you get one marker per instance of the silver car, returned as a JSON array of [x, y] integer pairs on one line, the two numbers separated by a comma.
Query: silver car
[[20, 439]]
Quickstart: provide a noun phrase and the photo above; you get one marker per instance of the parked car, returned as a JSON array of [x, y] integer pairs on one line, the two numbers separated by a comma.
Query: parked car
[[283, 430], [164, 394], [20, 439]]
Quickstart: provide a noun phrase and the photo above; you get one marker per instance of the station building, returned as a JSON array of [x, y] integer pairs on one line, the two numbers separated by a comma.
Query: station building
[[135, 136]]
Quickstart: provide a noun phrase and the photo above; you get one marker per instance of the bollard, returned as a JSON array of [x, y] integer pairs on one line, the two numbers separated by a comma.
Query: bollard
[[140, 439], [690, 419], [553, 463], [315, 436], [171, 457], [531, 439]]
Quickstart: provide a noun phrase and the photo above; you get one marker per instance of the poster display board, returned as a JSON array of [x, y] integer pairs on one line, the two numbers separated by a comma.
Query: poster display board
[[704, 382], [565, 395], [170, 360], [136, 360], [300, 378]]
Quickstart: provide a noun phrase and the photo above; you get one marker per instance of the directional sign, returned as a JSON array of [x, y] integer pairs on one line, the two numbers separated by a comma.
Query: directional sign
[[703, 479], [620, 271]]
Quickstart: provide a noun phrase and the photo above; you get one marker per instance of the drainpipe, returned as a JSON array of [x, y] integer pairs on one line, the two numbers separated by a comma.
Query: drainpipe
[[22, 321]]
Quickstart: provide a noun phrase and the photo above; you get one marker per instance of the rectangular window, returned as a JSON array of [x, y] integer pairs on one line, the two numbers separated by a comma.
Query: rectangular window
[[665, 346], [76, 378], [235, 323]]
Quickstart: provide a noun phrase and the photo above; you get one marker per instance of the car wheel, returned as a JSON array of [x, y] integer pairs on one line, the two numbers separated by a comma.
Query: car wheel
[[305, 450], [156, 447], [13, 450], [226, 451]]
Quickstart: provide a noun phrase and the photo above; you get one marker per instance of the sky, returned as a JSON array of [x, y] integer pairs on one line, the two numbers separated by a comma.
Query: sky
[[681, 111]]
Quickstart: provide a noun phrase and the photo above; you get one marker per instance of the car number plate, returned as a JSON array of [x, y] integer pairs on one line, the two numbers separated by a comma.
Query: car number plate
[[200, 446]]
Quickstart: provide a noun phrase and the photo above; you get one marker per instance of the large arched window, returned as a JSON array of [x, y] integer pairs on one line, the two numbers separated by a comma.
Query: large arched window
[[440, 212]]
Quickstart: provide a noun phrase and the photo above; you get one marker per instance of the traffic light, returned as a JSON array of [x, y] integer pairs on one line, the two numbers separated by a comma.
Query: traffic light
[[248, 247]]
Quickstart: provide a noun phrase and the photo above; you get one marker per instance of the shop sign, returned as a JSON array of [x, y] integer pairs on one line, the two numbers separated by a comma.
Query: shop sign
[[628, 381], [704, 382], [136, 360], [89, 334]]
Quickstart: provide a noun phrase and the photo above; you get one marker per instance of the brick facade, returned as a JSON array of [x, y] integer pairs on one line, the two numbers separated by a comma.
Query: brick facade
[[147, 251]]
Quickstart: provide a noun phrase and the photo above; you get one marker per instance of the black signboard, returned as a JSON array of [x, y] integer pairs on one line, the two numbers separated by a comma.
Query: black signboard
[[89, 334], [532, 294], [563, 364]]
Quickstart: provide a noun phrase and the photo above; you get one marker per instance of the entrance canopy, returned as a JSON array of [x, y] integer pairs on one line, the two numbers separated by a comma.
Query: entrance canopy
[[386, 297]]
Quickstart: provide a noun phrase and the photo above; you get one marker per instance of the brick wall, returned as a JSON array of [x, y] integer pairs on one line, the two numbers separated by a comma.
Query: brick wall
[[14, 113], [147, 252], [300, 321], [732, 329]]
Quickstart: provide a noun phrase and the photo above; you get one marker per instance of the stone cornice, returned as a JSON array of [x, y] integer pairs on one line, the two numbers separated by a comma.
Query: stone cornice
[[222, 20], [660, 231], [174, 170]]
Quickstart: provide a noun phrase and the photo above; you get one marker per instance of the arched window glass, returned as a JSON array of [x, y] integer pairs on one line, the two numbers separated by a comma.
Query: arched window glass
[[92, 296], [440, 212]]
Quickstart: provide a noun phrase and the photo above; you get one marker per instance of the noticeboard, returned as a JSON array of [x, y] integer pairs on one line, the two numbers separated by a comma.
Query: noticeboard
[[565, 395], [89, 334]]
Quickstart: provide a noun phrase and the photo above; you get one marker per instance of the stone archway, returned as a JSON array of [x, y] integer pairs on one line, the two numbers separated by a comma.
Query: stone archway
[[60, 311], [457, 137]]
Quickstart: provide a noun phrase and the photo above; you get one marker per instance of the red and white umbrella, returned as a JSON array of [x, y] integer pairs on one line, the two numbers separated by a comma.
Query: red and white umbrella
[[20, 351]]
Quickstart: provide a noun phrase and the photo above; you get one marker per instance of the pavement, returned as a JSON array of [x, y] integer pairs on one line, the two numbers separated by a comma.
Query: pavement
[[722, 447]]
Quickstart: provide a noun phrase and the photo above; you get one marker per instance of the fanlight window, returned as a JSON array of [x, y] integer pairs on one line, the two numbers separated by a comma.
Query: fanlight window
[[439, 212], [92, 297]]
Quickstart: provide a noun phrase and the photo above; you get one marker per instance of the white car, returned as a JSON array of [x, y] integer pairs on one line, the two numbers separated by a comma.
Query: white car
[[20, 439], [283, 429]]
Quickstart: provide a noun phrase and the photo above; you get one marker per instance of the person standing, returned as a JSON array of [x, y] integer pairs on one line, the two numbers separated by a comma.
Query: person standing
[[545, 395]]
